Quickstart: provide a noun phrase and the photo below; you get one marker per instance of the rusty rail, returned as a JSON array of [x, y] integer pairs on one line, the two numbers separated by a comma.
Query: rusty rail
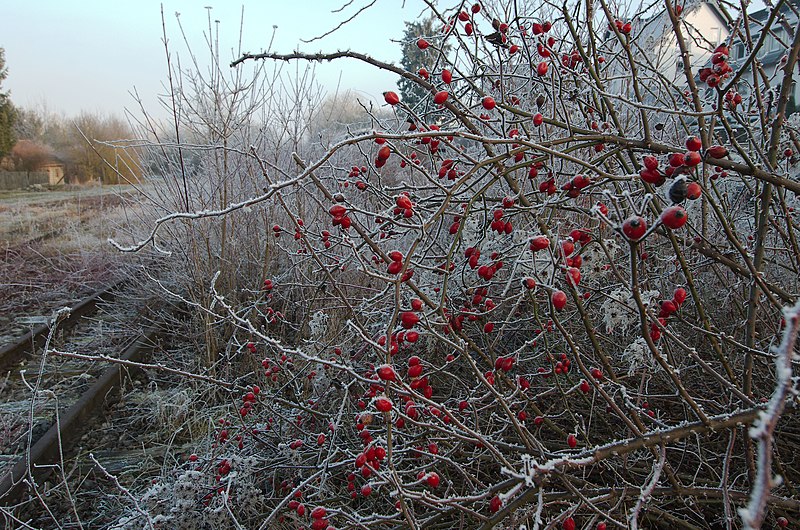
[[43, 457]]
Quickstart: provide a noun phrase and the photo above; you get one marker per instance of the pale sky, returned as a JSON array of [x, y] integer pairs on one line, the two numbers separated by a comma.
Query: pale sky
[[74, 55]]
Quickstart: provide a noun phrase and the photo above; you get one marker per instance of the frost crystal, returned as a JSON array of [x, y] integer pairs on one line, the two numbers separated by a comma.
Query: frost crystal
[[638, 355], [318, 325], [619, 310]]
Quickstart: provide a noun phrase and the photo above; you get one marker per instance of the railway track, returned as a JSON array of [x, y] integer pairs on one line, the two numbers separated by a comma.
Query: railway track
[[49, 399], [34, 339]]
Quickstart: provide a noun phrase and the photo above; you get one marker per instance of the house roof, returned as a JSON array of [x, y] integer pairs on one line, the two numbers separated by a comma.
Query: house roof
[[762, 14]]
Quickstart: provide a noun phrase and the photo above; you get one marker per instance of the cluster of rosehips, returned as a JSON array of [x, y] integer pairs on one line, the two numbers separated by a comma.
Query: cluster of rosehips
[[224, 467], [622, 27], [667, 309], [326, 236], [355, 172], [472, 309], [733, 99], [533, 171], [487, 272], [505, 364], [499, 225], [383, 155], [414, 160], [319, 519], [396, 264], [571, 60], [576, 185], [297, 233], [399, 338], [679, 163], [368, 461], [403, 205], [563, 365], [720, 68], [454, 228], [249, 400], [419, 383], [448, 169], [339, 216], [463, 16], [270, 370], [273, 315]]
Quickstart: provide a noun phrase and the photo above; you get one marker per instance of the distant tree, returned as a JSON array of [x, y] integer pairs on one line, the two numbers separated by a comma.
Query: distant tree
[[29, 125], [7, 112], [96, 152], [414, 58], [29, 155]]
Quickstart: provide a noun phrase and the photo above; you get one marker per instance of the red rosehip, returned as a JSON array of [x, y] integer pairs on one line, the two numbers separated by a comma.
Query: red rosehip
[[693, 143], [717, 151], [559, 299], [383, 404], [693, 158], [488, 103], [391, 98], [409, 319], [674, 217], [495, 504], [539, 243], [387, 373], [679, 295], [634, 227], [693, 191], [651, 163], [440, 97]]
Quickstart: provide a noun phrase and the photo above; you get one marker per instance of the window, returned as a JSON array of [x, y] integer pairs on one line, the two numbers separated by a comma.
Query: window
[[714, 35]]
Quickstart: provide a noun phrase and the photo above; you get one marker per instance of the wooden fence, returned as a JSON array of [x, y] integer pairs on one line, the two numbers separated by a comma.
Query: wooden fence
[[13, 180]]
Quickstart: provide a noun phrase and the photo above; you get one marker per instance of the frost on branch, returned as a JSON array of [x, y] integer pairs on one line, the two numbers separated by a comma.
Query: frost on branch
[[764, 426]]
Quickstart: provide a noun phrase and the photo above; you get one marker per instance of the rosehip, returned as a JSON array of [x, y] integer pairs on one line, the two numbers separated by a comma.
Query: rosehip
[[383, 404], [693, 143], [559, 299], [674, 217], [386, 373], [634, 227]]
